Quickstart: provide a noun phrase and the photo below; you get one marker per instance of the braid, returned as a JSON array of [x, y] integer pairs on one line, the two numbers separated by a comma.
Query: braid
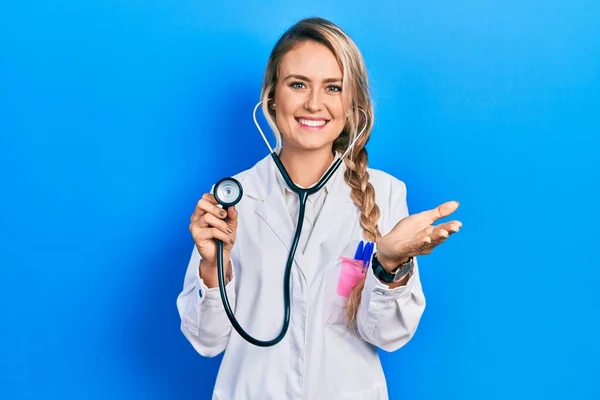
[[363, 195], [357, 103]]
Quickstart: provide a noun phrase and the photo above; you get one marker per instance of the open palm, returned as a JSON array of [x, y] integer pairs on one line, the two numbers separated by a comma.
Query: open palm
[[416, 235]]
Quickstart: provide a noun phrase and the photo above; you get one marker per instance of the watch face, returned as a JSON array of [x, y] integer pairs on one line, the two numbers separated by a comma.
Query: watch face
[[402, 271], [399, 274]]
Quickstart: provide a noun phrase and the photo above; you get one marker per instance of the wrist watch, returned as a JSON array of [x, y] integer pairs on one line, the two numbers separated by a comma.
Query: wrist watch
[[396, 275]]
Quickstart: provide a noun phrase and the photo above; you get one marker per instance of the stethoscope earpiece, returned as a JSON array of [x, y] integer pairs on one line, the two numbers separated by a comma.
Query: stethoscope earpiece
[[228, 192]]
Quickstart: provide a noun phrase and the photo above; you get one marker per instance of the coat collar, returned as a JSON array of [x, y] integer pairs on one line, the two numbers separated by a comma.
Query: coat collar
[[286, 189], [264, 177], [261, 184]]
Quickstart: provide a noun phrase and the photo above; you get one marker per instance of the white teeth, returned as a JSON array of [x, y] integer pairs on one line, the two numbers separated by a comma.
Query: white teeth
[[309, 122]]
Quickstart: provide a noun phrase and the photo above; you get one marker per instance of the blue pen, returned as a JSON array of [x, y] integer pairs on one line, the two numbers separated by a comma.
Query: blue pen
[[371, 250], [368, 253], [359, 251]]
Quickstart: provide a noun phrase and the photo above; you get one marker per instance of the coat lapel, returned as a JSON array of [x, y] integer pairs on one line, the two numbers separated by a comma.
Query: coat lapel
[[275, 214], [336, 209], [262, 185]]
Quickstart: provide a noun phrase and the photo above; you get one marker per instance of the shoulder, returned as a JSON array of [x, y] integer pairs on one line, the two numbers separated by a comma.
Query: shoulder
[[390, 196], [385, 183], [256, 180], [243, 175], [257, 168]]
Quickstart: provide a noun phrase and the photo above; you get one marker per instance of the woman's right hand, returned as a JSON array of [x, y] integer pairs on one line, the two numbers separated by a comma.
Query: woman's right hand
[[210, 222]]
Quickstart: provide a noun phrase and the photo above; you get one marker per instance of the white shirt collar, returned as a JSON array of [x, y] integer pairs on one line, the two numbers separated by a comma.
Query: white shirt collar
[[286, 189]]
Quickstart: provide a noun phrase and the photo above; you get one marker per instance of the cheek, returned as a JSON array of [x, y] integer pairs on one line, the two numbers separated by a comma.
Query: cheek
[[338, 114], [337, 125], [336, 108], [284, 118], [281, 122], [286, 108]]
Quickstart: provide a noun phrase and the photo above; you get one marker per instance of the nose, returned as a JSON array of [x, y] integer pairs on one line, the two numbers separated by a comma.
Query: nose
[[313, 102]]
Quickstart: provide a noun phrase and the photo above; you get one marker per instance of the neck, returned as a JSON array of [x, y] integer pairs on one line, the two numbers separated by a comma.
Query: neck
[[306, 167]]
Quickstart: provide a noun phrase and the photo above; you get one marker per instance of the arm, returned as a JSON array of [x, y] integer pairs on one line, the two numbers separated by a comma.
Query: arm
[[388, 317], [203, 319], [389, 314]]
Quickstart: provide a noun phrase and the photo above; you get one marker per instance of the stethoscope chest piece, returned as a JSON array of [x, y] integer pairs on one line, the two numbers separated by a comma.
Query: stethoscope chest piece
[[228, 192]]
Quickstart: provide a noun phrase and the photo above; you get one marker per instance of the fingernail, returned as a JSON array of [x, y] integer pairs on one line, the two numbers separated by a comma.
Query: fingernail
[[231, 240], [229, 230], [223, 213]]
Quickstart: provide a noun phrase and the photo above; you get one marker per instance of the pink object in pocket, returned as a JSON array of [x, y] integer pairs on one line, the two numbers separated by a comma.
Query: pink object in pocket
[[350, 274]]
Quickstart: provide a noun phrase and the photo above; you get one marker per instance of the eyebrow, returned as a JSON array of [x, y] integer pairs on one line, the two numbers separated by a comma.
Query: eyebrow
[[304, 78]]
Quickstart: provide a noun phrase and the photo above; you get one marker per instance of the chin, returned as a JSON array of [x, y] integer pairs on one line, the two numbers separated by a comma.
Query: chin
[[312, 143]]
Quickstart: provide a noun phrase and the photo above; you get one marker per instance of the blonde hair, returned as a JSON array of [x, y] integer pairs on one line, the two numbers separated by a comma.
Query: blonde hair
[[356, 97]]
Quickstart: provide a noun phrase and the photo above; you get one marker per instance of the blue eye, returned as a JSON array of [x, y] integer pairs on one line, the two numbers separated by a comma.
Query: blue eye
[[297, 85], [334, 88]]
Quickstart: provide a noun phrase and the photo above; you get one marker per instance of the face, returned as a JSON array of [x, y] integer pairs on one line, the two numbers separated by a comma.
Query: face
[[308, 98]]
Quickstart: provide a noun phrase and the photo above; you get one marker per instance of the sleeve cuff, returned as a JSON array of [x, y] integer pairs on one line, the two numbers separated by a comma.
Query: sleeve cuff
[[212, 295], [374, 285]]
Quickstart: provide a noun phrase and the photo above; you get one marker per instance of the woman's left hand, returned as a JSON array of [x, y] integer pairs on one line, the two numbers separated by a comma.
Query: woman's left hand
[[415, 235]]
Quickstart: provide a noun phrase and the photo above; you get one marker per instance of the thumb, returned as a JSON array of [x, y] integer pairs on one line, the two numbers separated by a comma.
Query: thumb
[[443, 210], [232, 217]]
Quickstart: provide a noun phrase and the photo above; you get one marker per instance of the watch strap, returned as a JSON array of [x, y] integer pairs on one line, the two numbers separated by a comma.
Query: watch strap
[[388, 277]]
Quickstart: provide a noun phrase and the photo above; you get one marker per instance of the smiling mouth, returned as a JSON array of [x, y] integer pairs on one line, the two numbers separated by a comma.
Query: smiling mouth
[[312, 124]]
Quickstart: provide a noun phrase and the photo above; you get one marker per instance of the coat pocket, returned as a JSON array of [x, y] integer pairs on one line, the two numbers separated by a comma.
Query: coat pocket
[[340, 280]]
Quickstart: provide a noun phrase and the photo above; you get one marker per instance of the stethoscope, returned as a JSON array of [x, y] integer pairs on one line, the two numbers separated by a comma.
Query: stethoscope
[[228, 192]]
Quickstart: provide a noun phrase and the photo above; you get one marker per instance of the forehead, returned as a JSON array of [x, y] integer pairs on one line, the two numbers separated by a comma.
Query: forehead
[[311, 59]]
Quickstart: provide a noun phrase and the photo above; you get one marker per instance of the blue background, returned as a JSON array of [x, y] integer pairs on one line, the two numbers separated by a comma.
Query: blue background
[[115, 117]]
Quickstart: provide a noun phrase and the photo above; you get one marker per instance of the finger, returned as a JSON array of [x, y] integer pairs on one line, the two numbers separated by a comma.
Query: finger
[[451, 227], [211, 233], [205, 205], [424, 232], [411, 247], [454, 227], [439, 234], [443, 210], [420, 244], [434, 244], [198, 212], [209, 220], [210, 198], [427, 231], [232, 217]]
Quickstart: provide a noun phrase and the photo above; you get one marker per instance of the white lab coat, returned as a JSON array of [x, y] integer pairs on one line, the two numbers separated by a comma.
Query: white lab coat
[[318, 358]]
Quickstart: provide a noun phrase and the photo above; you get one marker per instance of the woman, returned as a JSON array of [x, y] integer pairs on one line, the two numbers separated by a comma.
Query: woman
[[316, 99]]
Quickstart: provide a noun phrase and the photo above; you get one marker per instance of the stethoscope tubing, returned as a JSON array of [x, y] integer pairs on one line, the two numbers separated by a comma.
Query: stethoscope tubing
[[303, 196]]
